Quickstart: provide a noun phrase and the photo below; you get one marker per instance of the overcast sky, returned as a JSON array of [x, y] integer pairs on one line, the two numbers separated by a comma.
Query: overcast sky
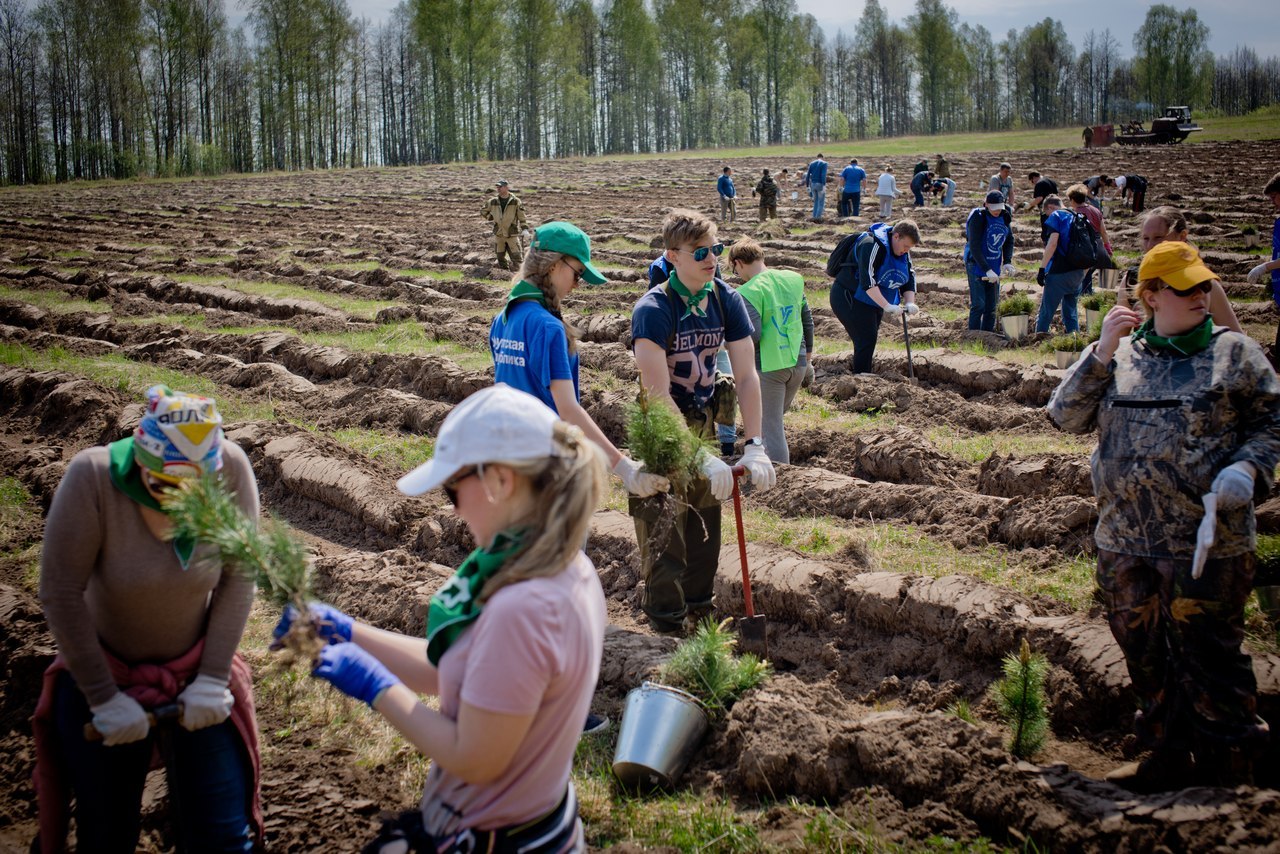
[[1231, 22]]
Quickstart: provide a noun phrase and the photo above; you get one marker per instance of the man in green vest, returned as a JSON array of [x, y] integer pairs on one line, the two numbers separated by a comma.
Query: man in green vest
[[783, 336], [507, 215]]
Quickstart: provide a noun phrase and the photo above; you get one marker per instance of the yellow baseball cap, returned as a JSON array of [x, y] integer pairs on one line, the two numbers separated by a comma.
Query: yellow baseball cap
[[1175, 263]]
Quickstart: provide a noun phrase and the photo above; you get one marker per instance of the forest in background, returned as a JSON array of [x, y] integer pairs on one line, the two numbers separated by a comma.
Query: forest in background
[[121, 88]]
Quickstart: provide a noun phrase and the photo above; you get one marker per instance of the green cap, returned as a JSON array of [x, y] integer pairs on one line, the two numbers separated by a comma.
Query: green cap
[[567, 239]]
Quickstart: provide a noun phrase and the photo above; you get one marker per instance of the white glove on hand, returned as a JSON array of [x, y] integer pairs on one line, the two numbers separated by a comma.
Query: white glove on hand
[[205, 702], [1234, 486], [809, 376], [524, 235], [1006, 270], [895, 310], [720, 475], [759, 467], [638, 481], [910, 307], [120, 720], [992, 276], [1256, 274]]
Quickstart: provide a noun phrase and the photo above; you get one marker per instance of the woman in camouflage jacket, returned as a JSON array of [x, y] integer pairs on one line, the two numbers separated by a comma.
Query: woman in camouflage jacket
[[1183, 409]]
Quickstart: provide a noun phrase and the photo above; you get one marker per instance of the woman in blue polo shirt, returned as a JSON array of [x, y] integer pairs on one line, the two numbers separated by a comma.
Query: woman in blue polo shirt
[[535, 350]]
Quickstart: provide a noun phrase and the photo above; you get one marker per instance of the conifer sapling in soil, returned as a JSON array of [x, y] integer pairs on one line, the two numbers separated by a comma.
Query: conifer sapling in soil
[[1020, 699]]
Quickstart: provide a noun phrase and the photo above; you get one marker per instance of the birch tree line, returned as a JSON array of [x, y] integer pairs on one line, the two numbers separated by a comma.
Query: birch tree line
[[118, 88]]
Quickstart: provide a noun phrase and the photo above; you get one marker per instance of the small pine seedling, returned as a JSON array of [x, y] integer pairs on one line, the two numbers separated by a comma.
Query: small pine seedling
[[705, 666], [1020, 699], [659, 437]]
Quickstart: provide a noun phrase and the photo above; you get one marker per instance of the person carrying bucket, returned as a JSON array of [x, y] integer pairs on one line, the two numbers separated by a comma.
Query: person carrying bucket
[[513, 642]]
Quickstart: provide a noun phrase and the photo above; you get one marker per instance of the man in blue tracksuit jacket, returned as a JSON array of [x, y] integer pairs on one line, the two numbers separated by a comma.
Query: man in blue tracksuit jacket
[[988, 255], [728, 195], [876, 278]]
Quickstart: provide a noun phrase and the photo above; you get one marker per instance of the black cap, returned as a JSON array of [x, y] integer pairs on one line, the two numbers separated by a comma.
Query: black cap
[[502, 184]]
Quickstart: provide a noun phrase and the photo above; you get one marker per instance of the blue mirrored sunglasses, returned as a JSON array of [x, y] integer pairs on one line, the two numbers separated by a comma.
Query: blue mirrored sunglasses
[[700, 254]]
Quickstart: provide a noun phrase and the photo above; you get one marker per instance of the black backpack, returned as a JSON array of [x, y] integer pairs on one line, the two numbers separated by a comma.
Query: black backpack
[[1081, 252], [840, 255]]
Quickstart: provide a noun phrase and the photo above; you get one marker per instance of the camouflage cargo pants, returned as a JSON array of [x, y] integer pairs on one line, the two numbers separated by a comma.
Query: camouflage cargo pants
[[511, 249], [1181, 640]]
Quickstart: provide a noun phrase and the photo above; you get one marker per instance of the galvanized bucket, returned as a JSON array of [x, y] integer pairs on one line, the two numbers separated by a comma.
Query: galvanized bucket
[[661, 728], [1107, 277], [1066, 358], [1015, 325]]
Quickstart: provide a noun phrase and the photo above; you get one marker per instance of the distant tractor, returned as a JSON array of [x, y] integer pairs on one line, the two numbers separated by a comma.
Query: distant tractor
[[1174, 126]]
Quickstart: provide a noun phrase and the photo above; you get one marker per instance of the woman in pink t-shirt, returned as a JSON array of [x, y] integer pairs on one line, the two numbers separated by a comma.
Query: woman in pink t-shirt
[[513, 638]]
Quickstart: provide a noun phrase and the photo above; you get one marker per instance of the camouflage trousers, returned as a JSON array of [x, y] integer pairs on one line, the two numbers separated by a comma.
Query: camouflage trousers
[[1181, 641], [511, 249]]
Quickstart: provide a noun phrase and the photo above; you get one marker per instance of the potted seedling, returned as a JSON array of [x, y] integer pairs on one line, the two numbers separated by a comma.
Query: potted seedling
[[664, 721], [1096, 305], [658, 436], [272, 554], [1066, 348], [1250, 234], [1014, 312]]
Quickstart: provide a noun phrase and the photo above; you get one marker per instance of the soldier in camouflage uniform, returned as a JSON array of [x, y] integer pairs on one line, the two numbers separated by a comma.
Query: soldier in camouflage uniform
[[507, 215], [1183, 408]]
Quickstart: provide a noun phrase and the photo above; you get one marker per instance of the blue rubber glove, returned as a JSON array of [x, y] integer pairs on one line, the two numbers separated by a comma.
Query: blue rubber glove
[[354, 672], [332, 626]]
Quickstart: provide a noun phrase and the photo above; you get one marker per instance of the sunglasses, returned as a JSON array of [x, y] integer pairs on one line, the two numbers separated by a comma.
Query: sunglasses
[[700, 254], [451, 485], [577, 274], [1203, 287]]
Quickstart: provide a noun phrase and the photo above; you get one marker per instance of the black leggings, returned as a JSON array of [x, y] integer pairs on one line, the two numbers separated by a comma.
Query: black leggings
[[861, 321]]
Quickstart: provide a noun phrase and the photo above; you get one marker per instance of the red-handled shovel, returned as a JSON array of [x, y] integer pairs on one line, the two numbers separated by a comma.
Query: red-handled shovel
[[753, 628]]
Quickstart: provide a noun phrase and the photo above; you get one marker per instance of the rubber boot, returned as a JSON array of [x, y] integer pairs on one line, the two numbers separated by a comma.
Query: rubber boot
[[1162, 771]]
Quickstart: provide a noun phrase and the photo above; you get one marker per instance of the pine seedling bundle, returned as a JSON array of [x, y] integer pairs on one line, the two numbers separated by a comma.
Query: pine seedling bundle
[[1020, 700], [658, 437], [704, 664]]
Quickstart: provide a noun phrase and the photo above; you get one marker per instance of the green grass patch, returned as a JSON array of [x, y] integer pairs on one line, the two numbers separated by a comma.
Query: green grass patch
[[72, 254], [55, 301], [214, 259], [353, 265], [811, 410], [623, 244], [399, 452], [19, 530], [977, 447], [364, 309], [445, 275], [134, 378]]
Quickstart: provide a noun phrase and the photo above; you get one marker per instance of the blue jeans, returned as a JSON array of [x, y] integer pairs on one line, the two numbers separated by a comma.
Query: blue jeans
[[983, 297], [819, 198], [210, 786], [919, 194], [1060, 288]]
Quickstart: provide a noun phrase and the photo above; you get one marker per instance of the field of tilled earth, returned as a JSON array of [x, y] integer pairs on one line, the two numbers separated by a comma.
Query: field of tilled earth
[[921, 532]]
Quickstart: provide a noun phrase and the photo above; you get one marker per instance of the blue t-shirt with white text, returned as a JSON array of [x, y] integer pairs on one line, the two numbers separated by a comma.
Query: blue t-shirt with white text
[[530, 349], [691, 358]]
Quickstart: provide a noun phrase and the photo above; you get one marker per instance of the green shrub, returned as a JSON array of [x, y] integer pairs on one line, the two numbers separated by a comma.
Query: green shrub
[[1248, 228], [1073, 343], [1014, 304], [705, 665], [1099, 301]]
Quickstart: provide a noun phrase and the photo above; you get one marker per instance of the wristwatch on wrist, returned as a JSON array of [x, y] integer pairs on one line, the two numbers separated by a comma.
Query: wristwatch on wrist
[[756, 441]]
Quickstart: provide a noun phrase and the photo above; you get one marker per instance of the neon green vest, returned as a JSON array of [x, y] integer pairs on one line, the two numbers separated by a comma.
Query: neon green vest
[[778, 296]]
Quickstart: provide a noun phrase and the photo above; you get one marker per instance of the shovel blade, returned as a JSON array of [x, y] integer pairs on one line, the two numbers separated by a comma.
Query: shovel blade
[[753, 635]]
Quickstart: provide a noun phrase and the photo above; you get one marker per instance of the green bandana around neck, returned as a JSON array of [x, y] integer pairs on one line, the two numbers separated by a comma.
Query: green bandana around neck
[[1188, 343], [126, 474], [523, 290], [456, 605], [692, 300]]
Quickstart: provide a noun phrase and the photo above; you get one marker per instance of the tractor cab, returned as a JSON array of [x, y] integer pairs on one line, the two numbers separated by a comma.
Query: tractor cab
[[1181, 114]]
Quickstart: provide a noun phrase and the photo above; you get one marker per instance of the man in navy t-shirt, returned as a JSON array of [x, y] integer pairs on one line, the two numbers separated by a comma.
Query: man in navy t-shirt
[[676, 330], [851, 195]]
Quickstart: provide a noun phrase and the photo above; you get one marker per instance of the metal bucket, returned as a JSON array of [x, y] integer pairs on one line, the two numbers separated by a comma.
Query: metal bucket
[[1092, 317], [1015, 325], [1066, 358], [661, 728], [1107, 278]]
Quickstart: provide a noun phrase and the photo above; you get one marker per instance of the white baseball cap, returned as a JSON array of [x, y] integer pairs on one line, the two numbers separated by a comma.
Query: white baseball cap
[[1121, 181], [495, 423]]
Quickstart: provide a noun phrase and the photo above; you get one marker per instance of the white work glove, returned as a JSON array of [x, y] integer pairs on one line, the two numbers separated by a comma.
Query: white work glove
[[638, 481], [759, 467], [524, 235], [720, 475], [1006, 270], [992, 276], [895, 310], [1234, 486], [809, 376], [910, 307], [205, 702], [1256, 274], [121, 720], [1206, 534]]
